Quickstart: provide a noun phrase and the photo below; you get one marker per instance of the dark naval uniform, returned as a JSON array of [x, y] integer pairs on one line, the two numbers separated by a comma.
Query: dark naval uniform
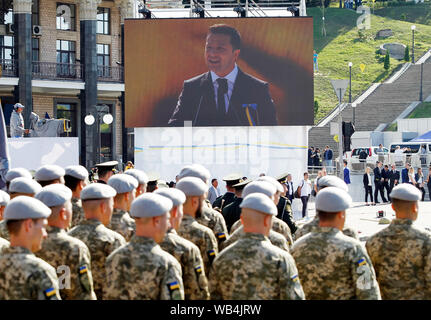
[[284, 208], [224, 200], [232, 213]]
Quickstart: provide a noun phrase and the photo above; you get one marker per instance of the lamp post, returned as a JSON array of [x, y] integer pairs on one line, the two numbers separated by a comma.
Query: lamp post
[[413, 27], [350, 82], [421, 99], [354, 109]]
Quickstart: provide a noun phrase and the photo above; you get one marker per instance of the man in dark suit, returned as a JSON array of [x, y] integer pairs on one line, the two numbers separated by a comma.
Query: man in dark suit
[[378, 182], [229, 196], [284, 206], [405, 173], [224, 96], [394, 177], [386, 174]]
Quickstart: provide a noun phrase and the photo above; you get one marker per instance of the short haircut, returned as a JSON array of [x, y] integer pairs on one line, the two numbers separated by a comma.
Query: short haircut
[[48, 182], [305, 173], [235, 37], [326, 216], [345, 161], [386, 166], [71, 182], [213, 180], [401, 204], [14, 226]]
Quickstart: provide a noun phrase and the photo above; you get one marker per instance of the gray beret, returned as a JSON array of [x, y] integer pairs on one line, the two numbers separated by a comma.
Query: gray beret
[[259, 202], [16, 173], [406, 192], [177, 196], [332, 199], [264, 187], [4, 198], [162, 184], [24, 185], [54, 195], [78, 172], [49, 172], [123, 183], [192, 186], [273, 181], [195, 170], [332, 181], [139, 175], [150, 205], [23, 207], [96, 191]]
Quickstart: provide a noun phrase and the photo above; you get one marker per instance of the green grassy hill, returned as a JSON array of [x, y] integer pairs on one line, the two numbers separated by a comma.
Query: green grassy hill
[[343, 43]]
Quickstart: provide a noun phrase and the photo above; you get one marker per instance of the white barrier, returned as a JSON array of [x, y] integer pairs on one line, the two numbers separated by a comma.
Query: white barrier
[[223, 150], [31, 153]]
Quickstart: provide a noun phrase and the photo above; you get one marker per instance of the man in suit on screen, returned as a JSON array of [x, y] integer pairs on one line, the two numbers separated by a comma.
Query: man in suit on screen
[[225, 95]]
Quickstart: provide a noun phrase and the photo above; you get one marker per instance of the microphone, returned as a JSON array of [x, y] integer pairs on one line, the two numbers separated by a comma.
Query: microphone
[[199, 108]]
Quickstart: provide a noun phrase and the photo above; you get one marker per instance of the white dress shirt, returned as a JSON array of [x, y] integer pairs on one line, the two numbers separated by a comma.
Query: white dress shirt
[[231, 78], [305, 188]]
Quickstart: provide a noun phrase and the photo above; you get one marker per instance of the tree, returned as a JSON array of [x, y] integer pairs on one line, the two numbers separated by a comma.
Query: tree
[[387, 64], [316, 107], [407, 54]]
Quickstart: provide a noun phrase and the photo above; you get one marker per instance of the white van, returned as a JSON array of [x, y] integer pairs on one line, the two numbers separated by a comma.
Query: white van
[[411, 152]]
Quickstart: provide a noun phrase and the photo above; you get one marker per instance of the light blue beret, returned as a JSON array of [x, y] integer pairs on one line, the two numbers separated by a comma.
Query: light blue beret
[[264, 187], [139, 175], [4, 198], [49, 172], [123, 183], [24, 185], [177, 196], [78, 172], [96, 191], [54, 195], [150, 205], [273, 181], [23, 207], [16, 173], [195, 170], [332, 181], [259, 202], [192, 186], [332, 199], [406, 192]]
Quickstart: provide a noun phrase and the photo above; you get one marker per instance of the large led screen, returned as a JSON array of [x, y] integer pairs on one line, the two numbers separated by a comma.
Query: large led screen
[[219, 72]]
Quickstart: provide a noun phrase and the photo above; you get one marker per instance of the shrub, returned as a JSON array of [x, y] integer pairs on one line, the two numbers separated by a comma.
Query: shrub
[[407, 54], [387, 61]]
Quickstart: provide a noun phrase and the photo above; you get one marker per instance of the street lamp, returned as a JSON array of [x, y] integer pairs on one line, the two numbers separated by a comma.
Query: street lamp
[[354, 108], [421, 99], [350, 82], [90, 119], [413, 27]]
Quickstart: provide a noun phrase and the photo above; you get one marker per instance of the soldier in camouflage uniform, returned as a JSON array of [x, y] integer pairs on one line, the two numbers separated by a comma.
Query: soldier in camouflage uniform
[[333, 266], [195, 191], [49, 174], [4, 199], [97, 202], [16, 173], [65, 253], [327, 181], [23, 275], [141, 269], [401, 253], [186, 252], [23, 186], [207, 216], [3, 244], [253, 268], [125, 185], [76, 179], [142, 178]]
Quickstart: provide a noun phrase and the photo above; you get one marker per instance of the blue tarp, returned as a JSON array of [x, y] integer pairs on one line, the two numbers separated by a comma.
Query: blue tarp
[[426, 137]]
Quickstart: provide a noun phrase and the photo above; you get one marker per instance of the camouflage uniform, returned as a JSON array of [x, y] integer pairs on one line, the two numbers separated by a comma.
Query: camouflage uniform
[[276, 239], [308, 227], [333, 266], [278, 225], [189, 256], [78, 214], [3, 244], [253, 269], [4, 233], [401, 255], [25, 276], [101, 241], [122, 223], [60, 249], [141, 270], [201, 236], [214, 220]]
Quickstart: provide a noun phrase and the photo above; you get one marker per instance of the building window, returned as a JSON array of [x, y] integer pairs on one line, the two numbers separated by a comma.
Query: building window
[[35, 13], [35, 49], [103, 61], [8, 16], [106, 133], [66, 16], [66, 58], [68, 111], [103, 20], [6, 47]]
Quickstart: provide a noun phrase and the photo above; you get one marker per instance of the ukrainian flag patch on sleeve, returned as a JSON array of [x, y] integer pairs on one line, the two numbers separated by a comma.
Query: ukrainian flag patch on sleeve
[[83, 269], [173, 285], [198, 269], [211, 253], [295, 278], [49, 292], [362, 262], [221, 235]]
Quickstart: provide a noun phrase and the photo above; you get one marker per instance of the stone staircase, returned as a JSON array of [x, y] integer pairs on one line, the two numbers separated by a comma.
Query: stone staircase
[[384, 105]]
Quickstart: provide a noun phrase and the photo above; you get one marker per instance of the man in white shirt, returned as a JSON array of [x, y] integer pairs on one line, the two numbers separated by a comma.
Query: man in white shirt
[[305, 192], [289, 184], [214, 191]]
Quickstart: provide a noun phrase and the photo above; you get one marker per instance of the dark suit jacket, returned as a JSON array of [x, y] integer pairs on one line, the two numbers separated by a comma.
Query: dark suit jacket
[[394, 176], [197, 103], [365, 180], [377, 174], [405, 175], [386, 175]]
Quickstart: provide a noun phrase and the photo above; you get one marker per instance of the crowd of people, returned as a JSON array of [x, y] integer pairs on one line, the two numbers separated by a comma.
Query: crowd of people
[[316, 158], [127, 236]]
